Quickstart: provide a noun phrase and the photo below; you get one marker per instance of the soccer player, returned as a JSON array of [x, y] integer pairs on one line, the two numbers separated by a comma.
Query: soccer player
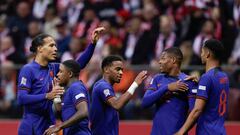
[[211, 103], [75, 102], [105, 105], [35, 83], [169, 92]]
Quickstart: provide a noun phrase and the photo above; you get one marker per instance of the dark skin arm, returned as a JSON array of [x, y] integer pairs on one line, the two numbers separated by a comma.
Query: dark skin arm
[[192, 117], [118, 103], [82, 112]]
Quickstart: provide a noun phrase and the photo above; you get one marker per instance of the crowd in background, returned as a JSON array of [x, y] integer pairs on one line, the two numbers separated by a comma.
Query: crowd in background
[[138, 30]]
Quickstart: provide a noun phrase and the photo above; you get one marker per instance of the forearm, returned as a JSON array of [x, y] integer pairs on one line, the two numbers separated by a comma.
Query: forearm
[[192, 118], [58, 106], [78, 116], [24, 98], [122, 100], [86, 56], [151, 96]]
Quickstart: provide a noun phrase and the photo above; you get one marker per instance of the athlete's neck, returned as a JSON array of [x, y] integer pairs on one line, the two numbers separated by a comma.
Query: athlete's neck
[[41, 61], [211, 64], [74, 79], [175, 71], [106, 78]]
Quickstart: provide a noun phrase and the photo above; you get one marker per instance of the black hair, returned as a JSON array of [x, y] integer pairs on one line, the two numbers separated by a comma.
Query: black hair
[[72, 66], [38, 41], [176, 52], [216, 47], [107, 61]]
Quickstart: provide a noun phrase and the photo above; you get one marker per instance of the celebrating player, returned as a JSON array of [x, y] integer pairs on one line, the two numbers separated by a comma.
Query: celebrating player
[[75, 103], [35, 83], [170, 91], [105, 105], [211, 104]]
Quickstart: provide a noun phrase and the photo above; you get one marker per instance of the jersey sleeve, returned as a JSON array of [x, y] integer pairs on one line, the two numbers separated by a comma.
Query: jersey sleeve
[[79, 94], [192, 92], [106, 92], [25, 79], [204, 87], [153, 93], [86, 56]]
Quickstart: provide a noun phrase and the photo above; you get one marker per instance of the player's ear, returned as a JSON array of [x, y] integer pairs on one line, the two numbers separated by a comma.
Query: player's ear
[[70, 74], [174, 59], [208, 53], [39, 48], [106, 69]]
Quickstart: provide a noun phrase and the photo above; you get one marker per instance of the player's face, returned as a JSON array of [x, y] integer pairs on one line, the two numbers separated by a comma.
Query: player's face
[[49, 49], [63, 75], [116, 71], [165, 62]]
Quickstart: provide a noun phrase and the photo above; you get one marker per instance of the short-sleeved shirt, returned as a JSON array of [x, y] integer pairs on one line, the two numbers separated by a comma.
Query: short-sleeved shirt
[[37, 80], [104, 118], [214, 88], [75, 94], [172, 108]]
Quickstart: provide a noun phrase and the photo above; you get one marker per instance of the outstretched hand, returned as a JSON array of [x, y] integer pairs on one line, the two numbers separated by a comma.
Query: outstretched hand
[[140, 77], [96, 34], [194, 78]]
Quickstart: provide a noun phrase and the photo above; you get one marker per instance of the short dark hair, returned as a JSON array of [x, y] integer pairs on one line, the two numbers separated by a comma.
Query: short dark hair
[[73, 66], [216, 47], [38, 41], [176, 52], [107, 61]]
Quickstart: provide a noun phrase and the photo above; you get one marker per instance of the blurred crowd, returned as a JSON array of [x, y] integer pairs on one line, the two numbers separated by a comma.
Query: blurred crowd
[[138, 30]]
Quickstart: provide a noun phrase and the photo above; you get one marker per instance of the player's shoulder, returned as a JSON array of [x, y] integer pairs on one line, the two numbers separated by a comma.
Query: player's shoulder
[[102, 84], [28, 67], [158, 76], [78, 85]]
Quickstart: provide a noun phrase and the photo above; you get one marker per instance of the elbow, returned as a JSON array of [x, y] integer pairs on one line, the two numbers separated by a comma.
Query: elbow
[[85, 113], [117, 106], [197, 112]]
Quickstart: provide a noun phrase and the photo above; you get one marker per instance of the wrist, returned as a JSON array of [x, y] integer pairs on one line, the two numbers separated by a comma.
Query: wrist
[[132, 88]]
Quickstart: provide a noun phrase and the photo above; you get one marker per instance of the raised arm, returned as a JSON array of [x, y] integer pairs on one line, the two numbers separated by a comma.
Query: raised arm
[[118, 103], [87, 54]]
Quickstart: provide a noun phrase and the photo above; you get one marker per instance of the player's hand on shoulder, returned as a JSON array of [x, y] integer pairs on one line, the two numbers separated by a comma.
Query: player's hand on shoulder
[[96, 34], [194, 78], [140, 77], [177, 86], [56, 90], [52, 130]]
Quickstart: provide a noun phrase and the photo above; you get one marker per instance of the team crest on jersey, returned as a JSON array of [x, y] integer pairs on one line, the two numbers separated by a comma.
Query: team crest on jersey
[[106, 92], [51, 73], [80, 95], [23, 81]]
